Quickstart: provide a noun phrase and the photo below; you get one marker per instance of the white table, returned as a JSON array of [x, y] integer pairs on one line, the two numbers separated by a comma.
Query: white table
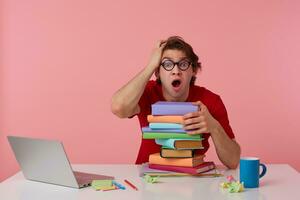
[[280, 182]]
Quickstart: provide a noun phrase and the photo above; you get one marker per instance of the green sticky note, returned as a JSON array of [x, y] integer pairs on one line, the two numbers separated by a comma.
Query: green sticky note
[[151, 179], [233, 187], [236, 187], [102, 184]]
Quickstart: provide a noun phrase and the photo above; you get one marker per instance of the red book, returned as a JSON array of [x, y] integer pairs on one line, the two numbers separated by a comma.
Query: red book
[[204, 167]]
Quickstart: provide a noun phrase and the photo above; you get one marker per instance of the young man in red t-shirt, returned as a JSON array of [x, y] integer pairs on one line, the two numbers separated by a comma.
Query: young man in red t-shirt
[[175, 66]]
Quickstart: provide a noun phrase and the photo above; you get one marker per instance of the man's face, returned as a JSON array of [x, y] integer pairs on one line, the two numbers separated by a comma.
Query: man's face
[[176, 82]]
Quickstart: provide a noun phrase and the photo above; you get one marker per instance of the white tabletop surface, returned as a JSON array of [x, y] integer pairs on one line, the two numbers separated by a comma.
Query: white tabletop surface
[[280, 182]]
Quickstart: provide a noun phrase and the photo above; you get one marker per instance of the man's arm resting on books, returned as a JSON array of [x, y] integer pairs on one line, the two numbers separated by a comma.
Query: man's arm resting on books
[[201, 122], [228, 150]]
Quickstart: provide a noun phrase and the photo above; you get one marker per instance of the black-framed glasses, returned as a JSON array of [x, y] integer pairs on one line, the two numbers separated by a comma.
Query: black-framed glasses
[[168, 65]]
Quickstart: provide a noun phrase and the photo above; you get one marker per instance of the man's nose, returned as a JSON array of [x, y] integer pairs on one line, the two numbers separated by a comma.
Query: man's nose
[[176, 70]]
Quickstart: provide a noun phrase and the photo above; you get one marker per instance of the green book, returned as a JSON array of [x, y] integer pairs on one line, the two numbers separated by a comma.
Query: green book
[[155, 135]]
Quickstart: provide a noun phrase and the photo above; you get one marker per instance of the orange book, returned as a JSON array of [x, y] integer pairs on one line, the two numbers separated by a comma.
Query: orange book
[[184, 162], [165, 119]]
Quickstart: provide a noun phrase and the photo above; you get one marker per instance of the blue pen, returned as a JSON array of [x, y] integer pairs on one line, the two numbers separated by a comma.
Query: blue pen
[[122, 187]]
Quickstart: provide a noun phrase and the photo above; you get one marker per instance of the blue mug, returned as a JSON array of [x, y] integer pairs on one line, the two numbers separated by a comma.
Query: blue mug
[[249, 171]]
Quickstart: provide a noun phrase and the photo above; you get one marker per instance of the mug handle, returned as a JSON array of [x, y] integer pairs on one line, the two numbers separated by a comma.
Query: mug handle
[[264, 170]]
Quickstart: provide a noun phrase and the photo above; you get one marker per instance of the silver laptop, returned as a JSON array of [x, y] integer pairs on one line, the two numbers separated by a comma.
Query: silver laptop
[[46, 161]]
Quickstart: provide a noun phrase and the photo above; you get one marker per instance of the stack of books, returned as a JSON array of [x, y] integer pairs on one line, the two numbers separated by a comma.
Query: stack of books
[[177, 152]]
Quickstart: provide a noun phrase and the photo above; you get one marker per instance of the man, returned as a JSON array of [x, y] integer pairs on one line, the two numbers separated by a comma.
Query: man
[[175, 66]]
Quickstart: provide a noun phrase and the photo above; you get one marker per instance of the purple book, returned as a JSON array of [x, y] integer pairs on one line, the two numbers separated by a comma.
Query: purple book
[[173, 108]]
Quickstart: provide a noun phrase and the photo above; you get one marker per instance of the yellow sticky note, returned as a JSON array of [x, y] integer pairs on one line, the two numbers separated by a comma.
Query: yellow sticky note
[[102, 184], [109, 188]]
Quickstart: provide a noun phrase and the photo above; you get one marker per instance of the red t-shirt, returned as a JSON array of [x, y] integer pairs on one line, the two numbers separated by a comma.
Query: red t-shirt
[[153, 93]]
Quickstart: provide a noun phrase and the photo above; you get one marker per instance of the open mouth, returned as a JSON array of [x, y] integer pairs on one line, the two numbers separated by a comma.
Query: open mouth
[[176, 83]]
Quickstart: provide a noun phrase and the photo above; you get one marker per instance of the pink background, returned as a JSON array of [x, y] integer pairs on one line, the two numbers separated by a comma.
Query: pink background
[[61, 61]]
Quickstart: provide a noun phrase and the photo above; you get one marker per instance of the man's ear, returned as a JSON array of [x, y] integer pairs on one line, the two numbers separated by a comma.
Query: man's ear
[[195, 71]]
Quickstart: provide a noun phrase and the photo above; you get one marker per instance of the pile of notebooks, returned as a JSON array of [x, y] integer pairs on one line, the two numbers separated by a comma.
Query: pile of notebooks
[[178, 149]]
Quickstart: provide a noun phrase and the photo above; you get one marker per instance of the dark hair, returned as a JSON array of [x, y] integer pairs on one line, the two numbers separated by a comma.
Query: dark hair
[[176, 42]]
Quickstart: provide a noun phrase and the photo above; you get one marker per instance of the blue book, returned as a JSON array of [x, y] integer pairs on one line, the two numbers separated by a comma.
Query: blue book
[[188, 143], [147, 129], [173, 108], [165, 126]]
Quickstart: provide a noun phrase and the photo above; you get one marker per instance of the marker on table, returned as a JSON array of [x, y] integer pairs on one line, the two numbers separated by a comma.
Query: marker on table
[[119, 185], [131, 185]]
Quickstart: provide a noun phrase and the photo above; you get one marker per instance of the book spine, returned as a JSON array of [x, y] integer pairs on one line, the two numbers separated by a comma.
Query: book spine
[[205, 167], [165, 119], [148, 129], [158, 109], [165, 126], [152, 135], [162, 154], [173, 168], [184, 162]]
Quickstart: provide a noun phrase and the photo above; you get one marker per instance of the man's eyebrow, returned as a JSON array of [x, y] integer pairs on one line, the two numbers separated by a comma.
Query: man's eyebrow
[[166, 58], [183, 58]]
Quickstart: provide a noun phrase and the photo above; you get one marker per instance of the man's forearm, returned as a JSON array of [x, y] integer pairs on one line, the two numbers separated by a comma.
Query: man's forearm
[[228, 150], [124, 101]]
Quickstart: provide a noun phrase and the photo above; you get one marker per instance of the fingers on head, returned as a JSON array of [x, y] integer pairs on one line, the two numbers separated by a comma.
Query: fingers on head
[[161, 43]]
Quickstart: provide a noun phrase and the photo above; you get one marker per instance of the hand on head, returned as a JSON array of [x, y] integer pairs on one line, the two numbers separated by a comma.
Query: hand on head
[[156, 54]]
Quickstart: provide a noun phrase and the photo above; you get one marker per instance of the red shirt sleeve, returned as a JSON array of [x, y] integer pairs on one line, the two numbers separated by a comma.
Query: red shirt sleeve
[[219, 112]]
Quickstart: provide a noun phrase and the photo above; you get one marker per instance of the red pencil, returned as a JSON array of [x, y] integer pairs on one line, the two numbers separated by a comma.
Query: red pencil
[[130, 184]]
